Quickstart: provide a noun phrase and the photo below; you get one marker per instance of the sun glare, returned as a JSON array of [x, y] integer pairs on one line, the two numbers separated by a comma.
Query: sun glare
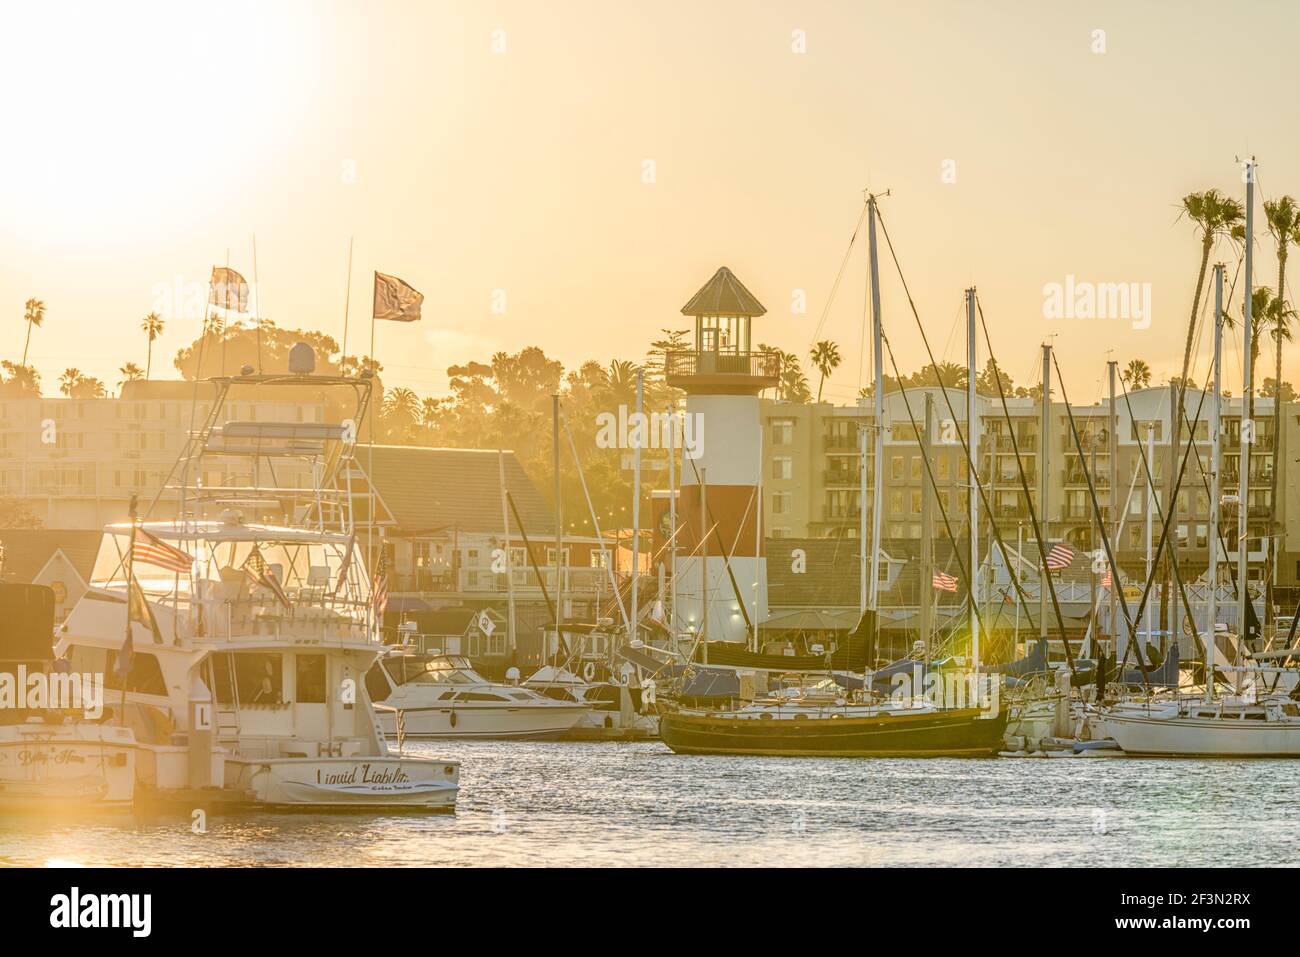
[[118, 118]]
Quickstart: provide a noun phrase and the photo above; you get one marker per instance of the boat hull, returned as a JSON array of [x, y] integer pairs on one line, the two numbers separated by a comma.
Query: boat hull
[[540, 723], [1175, 737], [953, 733], [78, 764], [361, 782]]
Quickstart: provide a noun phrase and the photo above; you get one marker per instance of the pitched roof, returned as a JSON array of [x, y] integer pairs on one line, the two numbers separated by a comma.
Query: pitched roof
[[723, 295], [26, 550], [431, 489]]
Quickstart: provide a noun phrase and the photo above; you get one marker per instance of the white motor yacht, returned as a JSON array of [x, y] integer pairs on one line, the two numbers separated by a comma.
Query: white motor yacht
[[247, 672], [442, 696]]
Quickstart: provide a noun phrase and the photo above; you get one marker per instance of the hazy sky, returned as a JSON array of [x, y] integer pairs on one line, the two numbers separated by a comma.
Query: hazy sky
[[143, 142]]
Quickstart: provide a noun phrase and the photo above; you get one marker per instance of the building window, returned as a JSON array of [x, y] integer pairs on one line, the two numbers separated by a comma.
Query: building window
[[896, 468], [916, 468], [783, 431], [896, 502], [781, 503], [944, 469], [783, 467], [916, 501]]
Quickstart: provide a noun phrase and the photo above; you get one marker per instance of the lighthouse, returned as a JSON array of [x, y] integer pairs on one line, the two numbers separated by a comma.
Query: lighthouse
[[721, 574]]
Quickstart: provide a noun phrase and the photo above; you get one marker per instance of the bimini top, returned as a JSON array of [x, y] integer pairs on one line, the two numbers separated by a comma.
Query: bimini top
[[723, 295], [230, 532]]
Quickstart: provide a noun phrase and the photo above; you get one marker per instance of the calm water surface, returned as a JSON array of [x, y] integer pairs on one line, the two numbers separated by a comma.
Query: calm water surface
[[640, 804]]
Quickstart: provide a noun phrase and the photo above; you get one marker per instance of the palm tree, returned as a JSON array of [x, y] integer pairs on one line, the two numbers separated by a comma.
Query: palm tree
[[131, 373], [151, 326], [1137, 374], [400, 410], [1216, 215], [826, 357], [75, 385], [1267, 312], [33, 315], [1283, 219]]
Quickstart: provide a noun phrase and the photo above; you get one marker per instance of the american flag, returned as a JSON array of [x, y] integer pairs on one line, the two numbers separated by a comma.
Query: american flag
[[1106, 579], [379, 587], [944, 582], [1059, 556], [256, 568], [149, 550]]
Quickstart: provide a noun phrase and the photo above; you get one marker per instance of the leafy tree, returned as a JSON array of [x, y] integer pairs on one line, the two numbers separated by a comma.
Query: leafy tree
[[16, 513], [19, 381]]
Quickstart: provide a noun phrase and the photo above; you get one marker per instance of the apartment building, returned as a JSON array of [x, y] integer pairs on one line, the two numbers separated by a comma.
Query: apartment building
[[812, 462], [77, 462]]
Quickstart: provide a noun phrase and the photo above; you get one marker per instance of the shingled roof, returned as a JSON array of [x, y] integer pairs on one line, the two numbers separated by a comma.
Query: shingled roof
[[26, 550], [431, 489], [723, 295]]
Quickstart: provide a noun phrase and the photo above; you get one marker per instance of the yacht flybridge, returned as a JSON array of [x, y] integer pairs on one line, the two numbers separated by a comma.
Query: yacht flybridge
[[246, 663]]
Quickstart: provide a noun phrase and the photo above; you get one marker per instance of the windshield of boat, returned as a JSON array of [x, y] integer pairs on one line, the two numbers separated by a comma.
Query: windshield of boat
[[432, 671]]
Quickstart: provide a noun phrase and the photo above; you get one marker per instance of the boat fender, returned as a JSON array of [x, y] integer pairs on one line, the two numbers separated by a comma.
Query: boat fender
[[609, 721], [589, 671], [453, 719]]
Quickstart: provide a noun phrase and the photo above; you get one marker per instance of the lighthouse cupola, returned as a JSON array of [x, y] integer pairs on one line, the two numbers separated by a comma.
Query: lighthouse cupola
[[723, 358]]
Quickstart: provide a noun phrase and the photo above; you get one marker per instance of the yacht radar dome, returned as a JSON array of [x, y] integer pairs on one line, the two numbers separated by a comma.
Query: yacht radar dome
[[302, 359]]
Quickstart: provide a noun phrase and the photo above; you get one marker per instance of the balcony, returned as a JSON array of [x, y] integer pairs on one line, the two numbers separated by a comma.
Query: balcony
[[843, 477], [746, 371], [841, 443], [577, 581]]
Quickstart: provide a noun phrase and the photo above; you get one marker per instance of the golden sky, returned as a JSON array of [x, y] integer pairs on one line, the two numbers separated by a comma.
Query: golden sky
[[145, 143]]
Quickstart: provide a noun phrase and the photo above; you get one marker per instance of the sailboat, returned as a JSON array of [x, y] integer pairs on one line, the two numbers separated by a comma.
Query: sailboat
[[1237, 727]]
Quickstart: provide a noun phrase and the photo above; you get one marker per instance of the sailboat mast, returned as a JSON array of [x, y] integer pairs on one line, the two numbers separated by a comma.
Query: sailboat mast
[[1044, 454], [1112, 450], [878, 446], [927, 521], [559, 524], [1247, 425], [972, 440], [636, 508], [672, 523], [510, 574], [1216, 419]]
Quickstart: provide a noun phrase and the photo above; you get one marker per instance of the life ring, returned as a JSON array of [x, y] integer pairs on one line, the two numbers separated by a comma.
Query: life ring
[[589, 671]]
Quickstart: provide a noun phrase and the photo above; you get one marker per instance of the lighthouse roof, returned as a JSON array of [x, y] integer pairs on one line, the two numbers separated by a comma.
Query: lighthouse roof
[[723, 295]]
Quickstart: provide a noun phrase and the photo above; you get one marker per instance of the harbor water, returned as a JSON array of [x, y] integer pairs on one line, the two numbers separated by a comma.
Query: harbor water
[[538, 803]]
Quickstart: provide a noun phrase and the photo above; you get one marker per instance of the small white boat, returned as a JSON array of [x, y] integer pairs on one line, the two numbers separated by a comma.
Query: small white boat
[[616, 708], [1268, 729], [442, 696]]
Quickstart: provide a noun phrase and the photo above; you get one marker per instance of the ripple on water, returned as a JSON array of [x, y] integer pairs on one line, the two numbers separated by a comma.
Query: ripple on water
[[531, 804]]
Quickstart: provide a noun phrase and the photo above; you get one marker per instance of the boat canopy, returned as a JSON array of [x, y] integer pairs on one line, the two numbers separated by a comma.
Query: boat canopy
[[303, 561]]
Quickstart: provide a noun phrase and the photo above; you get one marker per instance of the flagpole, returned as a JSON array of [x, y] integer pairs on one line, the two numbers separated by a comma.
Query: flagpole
[[370, 468], [347, 302], [122, 673], [225, 321], [257, 307]]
